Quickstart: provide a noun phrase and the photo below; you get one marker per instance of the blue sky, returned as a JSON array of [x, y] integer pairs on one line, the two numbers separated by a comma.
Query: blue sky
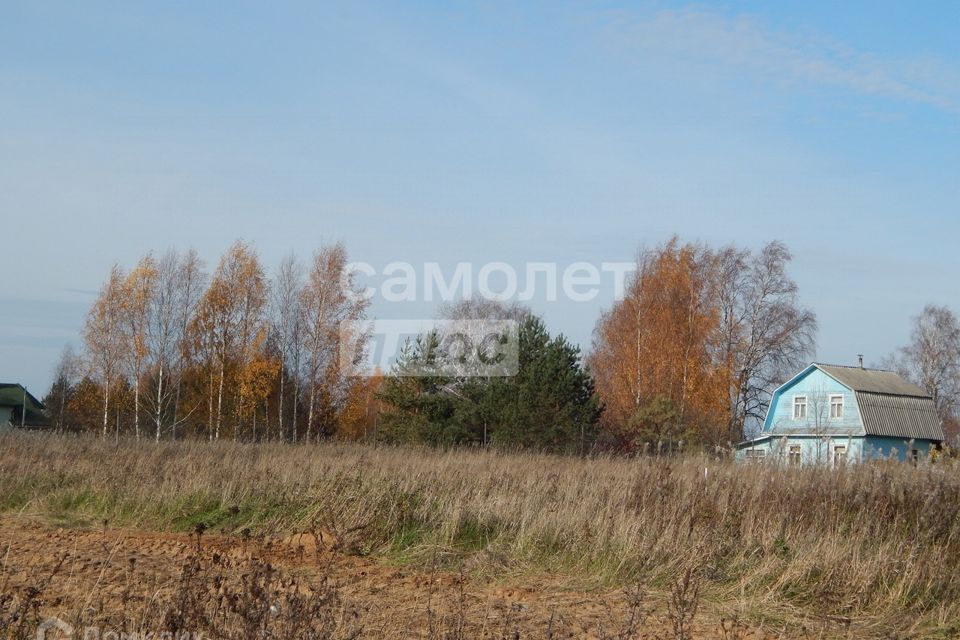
[[480, 132]]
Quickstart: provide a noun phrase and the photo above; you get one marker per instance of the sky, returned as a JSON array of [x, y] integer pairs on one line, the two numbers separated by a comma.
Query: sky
[[481, 132]]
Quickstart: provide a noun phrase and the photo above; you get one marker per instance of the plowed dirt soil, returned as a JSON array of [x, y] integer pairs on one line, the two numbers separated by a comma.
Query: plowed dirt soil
[[105, 570]]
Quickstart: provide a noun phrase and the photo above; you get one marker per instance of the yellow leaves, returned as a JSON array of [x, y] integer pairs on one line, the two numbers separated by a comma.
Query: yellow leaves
[[361, 411], [656, 343], [85, 406], [330, 318], [138, 290], [229, 327], [203, 348], [102, 333], [229, 315], [256, 381]]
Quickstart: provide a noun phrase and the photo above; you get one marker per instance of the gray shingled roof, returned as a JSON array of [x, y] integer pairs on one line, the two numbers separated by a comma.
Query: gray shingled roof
[[889, 404], [899, 416], [874, 381]]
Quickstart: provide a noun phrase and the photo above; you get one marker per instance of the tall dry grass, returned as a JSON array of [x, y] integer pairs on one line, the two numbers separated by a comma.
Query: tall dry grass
[[878, 542]]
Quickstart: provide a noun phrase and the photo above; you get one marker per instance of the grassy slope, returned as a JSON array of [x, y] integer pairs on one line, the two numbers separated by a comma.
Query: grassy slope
[[880, 543]]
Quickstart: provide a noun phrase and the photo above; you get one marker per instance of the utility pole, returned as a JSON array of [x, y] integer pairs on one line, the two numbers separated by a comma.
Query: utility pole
[[23, 411]]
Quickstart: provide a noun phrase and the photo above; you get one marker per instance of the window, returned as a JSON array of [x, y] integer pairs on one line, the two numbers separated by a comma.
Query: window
[[836, 407], [839, 455], [794, 455], [914, 455], [755, 455], [799, 407]]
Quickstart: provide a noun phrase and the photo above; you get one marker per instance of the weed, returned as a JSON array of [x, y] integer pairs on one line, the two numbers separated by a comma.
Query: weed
[[683, 604]]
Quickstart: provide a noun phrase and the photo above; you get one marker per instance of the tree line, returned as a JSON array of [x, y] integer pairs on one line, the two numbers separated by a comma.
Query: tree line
[[171, 350], [688, 357]]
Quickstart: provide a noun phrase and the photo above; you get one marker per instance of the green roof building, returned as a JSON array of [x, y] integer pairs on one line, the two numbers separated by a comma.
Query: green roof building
[[18, 408]]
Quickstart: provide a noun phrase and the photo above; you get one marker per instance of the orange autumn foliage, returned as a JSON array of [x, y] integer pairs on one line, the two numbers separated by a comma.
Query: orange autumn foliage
[[654, 348], [358, 419]]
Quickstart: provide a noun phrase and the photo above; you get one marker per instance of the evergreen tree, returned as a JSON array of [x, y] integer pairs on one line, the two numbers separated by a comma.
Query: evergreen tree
[[549, 404], [419, 408]]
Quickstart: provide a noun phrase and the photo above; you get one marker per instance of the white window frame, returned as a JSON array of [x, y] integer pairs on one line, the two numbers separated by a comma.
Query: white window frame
[[797, 404], [795, 449], [755, 455], [839, 449], [833, 398]]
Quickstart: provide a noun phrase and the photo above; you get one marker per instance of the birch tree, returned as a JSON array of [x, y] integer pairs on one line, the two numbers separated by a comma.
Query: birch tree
[[699, 341], [653, 347], [253, 367], [765, 334], [138, 293], [285, 321], [932, 358], [103, 337], [66, 376], [228, 318], [163, 329], [191, 282], [327, 301]]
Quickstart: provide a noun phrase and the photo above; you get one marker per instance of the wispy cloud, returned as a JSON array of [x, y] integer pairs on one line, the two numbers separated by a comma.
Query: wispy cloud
[[744, 43]]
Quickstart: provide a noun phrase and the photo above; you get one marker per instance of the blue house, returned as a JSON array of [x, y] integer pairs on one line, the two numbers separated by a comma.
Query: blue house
[[829, 414]]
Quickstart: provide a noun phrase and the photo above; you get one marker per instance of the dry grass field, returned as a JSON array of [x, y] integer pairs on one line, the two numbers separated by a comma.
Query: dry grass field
[[268, 540]]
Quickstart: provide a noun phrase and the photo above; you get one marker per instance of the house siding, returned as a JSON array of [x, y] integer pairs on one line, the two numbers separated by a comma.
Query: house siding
[[820, 450], [898, 448], [817, 387], [813, 450]]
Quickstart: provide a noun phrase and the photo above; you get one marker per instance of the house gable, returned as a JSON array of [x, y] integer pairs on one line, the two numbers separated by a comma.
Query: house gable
[[818, 389], [19, 407]]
